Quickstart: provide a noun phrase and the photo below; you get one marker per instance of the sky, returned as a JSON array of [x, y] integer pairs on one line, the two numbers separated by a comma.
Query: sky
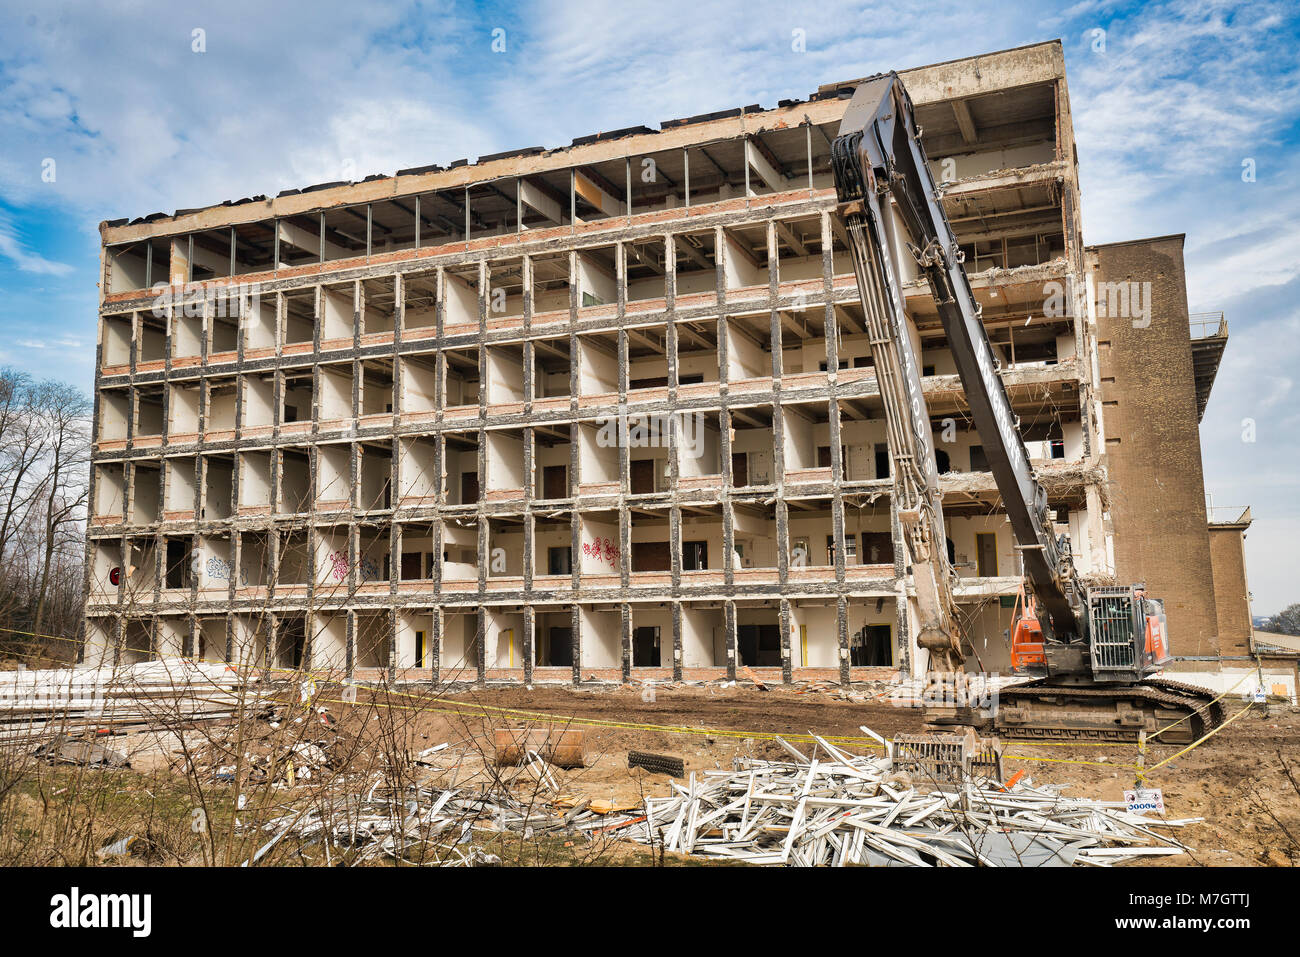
[[1187, 117]]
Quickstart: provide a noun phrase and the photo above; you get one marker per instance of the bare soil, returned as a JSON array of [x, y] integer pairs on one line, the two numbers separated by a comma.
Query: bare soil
[[1236, 780]]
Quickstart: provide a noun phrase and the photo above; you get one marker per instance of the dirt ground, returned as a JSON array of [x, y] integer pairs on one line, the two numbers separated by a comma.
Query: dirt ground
[[1235, 780]]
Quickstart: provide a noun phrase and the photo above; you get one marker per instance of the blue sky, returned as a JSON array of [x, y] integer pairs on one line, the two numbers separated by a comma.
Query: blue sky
[[1166, 110]]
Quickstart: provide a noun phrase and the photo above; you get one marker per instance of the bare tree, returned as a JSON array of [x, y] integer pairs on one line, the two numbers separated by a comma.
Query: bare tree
[[44, 465], [65, 413], [1285, 622], [22, 444]]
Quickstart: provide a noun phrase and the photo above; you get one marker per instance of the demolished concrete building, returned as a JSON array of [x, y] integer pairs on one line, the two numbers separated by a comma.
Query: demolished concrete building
[[609, 409]]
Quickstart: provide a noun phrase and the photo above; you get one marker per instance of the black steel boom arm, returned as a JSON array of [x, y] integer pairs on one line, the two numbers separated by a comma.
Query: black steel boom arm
[[878, 153]]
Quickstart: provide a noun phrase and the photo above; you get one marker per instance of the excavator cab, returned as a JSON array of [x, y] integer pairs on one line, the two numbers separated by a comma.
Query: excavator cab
[[1127, 633], [1127, 638], [1157, 642]]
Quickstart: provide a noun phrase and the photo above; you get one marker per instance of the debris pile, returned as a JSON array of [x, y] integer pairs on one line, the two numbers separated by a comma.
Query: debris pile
[[44, 705], [837, 809], [423, 824], [63, 750], [826, 808]]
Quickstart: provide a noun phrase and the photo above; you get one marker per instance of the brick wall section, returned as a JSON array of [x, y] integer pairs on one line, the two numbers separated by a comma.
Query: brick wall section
[[1231, 591], [1153, 448]]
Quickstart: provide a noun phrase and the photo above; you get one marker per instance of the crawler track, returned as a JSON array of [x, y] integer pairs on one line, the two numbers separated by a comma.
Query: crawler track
[[1179, 713]]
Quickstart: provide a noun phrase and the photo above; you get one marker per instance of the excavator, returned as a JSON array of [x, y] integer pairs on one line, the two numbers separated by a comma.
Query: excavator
[[1089, 652]]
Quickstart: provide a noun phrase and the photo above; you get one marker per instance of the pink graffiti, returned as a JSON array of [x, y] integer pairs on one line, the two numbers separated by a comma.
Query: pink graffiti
[[338, 565]]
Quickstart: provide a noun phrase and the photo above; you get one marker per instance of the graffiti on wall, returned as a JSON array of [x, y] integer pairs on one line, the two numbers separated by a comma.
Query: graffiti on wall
[[602, 550], [221, 570], [367, 570], [338, 566]]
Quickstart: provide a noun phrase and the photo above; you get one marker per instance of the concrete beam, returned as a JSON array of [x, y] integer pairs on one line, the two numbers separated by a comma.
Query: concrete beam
[[585, 186], [691, 253], [533, 197], [784, 230], [309, 241], [760, 162], [965, 122]]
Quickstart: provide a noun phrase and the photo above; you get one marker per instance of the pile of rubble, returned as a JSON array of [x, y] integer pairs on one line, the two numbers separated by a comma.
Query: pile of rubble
[[47, 705], [927, 801], [832, 808], [426, 824]]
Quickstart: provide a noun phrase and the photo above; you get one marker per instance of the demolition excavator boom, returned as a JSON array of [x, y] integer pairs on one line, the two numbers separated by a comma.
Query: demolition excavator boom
[[1092, 649]]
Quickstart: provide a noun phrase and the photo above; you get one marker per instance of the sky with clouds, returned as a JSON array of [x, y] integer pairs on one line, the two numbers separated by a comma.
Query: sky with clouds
[[1168, 103]]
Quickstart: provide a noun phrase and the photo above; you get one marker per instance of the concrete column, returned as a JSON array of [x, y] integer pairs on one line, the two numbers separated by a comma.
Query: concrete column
[[308, 636], [392, 644], [351, 654], [576, 628], [530, 549], [773, 287], [484, 547], [439, 464], [902, 628], [435, 645], [842, 628], [440, 315], [273, 643], [159, 561], [728, 515], [787, 675], [480, 643], [626, 643], [677, 641], [394, 558], [399, 322], [529, 642], [273, 556], [729, 620]]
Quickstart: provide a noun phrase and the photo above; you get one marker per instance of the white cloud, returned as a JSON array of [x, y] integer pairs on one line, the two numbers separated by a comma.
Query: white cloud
[[288, 96], [12, 249], [1185, 92], [144, 124]]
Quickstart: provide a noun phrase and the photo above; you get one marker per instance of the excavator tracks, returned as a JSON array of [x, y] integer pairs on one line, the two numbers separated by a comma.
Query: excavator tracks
[[1040, 709]]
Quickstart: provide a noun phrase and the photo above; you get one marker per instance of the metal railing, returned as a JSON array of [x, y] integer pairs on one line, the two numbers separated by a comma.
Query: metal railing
[[1207, 325], [1226, 514]]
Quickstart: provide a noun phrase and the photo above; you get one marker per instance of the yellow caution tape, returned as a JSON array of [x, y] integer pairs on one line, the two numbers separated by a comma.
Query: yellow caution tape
[[459, 707], [1200, 709], [1197, 743]]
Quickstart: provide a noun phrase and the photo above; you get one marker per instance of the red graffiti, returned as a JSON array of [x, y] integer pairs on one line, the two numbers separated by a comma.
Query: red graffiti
[[339, 565], [602, 550]]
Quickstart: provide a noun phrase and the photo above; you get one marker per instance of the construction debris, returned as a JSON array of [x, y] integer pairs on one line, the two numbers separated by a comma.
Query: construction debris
[[429, 825], [657, 763], [117, 848], [832, 808], [63, 751], [826, 807], [515, 746], [47, 704], [947, 758]]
